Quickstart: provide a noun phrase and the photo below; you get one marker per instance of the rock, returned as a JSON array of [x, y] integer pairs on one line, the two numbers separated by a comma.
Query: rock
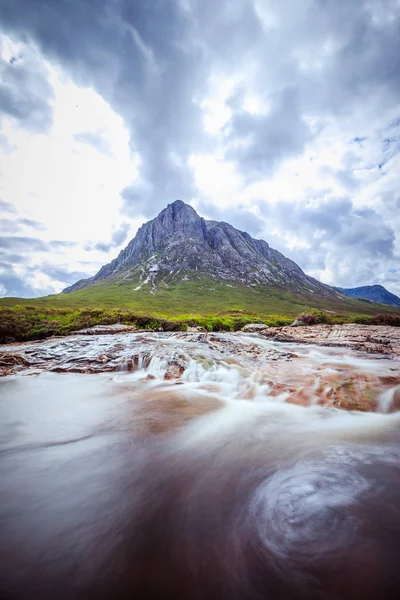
[[106, 329], [174, 370], [8, 359], [10, 363], [254, 327], [382, 339], [395, 407], [138, 361], [197, 329], [103, 359]]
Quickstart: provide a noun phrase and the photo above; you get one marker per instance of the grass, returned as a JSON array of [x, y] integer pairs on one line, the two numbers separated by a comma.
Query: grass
[[214, 305]]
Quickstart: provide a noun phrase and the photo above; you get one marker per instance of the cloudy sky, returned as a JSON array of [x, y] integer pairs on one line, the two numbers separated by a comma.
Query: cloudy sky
[[281, 117]]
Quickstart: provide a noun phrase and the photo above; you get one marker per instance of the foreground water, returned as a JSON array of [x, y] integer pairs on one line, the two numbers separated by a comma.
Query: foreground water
[[193, 466]]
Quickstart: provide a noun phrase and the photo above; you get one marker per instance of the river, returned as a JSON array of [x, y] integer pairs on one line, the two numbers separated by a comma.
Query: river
[[196, 466]]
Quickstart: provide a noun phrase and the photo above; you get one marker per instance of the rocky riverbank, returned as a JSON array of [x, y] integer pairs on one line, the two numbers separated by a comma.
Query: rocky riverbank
[[347, 367], [381, 339]]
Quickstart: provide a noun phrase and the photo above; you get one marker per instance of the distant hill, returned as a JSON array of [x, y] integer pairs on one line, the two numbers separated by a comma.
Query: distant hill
[[374, 293]]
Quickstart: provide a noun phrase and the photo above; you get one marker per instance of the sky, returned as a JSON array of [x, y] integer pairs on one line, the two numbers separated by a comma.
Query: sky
[[279, 117]]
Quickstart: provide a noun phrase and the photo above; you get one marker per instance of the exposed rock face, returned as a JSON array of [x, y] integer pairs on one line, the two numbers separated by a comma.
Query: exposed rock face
[[374, 293], [179, 245], [368, 338]]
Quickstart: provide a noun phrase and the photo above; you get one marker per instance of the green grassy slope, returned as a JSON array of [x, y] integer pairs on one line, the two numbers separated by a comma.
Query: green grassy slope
[[216, 305], [196, 297]]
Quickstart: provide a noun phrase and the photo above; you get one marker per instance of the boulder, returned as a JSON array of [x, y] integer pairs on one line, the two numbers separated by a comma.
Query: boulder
[[174, 370]]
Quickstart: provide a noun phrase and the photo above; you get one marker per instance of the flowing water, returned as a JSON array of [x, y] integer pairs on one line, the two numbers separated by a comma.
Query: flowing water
[[199, 467]]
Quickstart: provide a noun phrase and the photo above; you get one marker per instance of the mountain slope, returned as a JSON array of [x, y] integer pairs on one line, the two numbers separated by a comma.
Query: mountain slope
[[179, 246], [374, 293]]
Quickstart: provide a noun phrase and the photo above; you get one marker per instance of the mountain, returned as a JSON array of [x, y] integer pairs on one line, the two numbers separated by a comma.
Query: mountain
[[374, 293], [179, 246]]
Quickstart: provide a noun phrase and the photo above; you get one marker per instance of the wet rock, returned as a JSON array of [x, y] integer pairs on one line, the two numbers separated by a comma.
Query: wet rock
[[197, 329], [10, 363], [254, 327], [396, 400], [129, 365], [103, 358], [135, 362], [332, 377], [174, 370], [382, 339], [106, 329]]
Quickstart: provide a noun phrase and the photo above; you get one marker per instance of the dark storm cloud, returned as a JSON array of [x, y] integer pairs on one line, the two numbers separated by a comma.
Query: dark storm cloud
[[338, 59], [25, 92], [335, 221], [95, 140], [312, 63], [266, 140], [140, 56], [354, 245], [152, 61]]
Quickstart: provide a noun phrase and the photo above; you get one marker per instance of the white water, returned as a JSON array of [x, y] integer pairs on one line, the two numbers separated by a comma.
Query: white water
[[213, 476]]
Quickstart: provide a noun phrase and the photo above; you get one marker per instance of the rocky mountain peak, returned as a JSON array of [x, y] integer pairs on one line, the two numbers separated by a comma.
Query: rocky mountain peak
[[177, 209], [179, 245], [177, 219]]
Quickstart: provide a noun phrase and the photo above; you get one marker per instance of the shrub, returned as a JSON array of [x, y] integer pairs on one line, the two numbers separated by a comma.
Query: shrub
[[173, 325], [221, 325], [386, 319], [309, 319], [363, 320]]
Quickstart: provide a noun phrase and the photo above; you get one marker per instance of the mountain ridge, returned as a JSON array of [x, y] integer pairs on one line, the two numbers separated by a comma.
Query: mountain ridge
[[179, 245], [373, 293]]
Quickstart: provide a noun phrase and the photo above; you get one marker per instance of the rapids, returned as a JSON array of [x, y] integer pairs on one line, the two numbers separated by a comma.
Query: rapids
[[196, 466]]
